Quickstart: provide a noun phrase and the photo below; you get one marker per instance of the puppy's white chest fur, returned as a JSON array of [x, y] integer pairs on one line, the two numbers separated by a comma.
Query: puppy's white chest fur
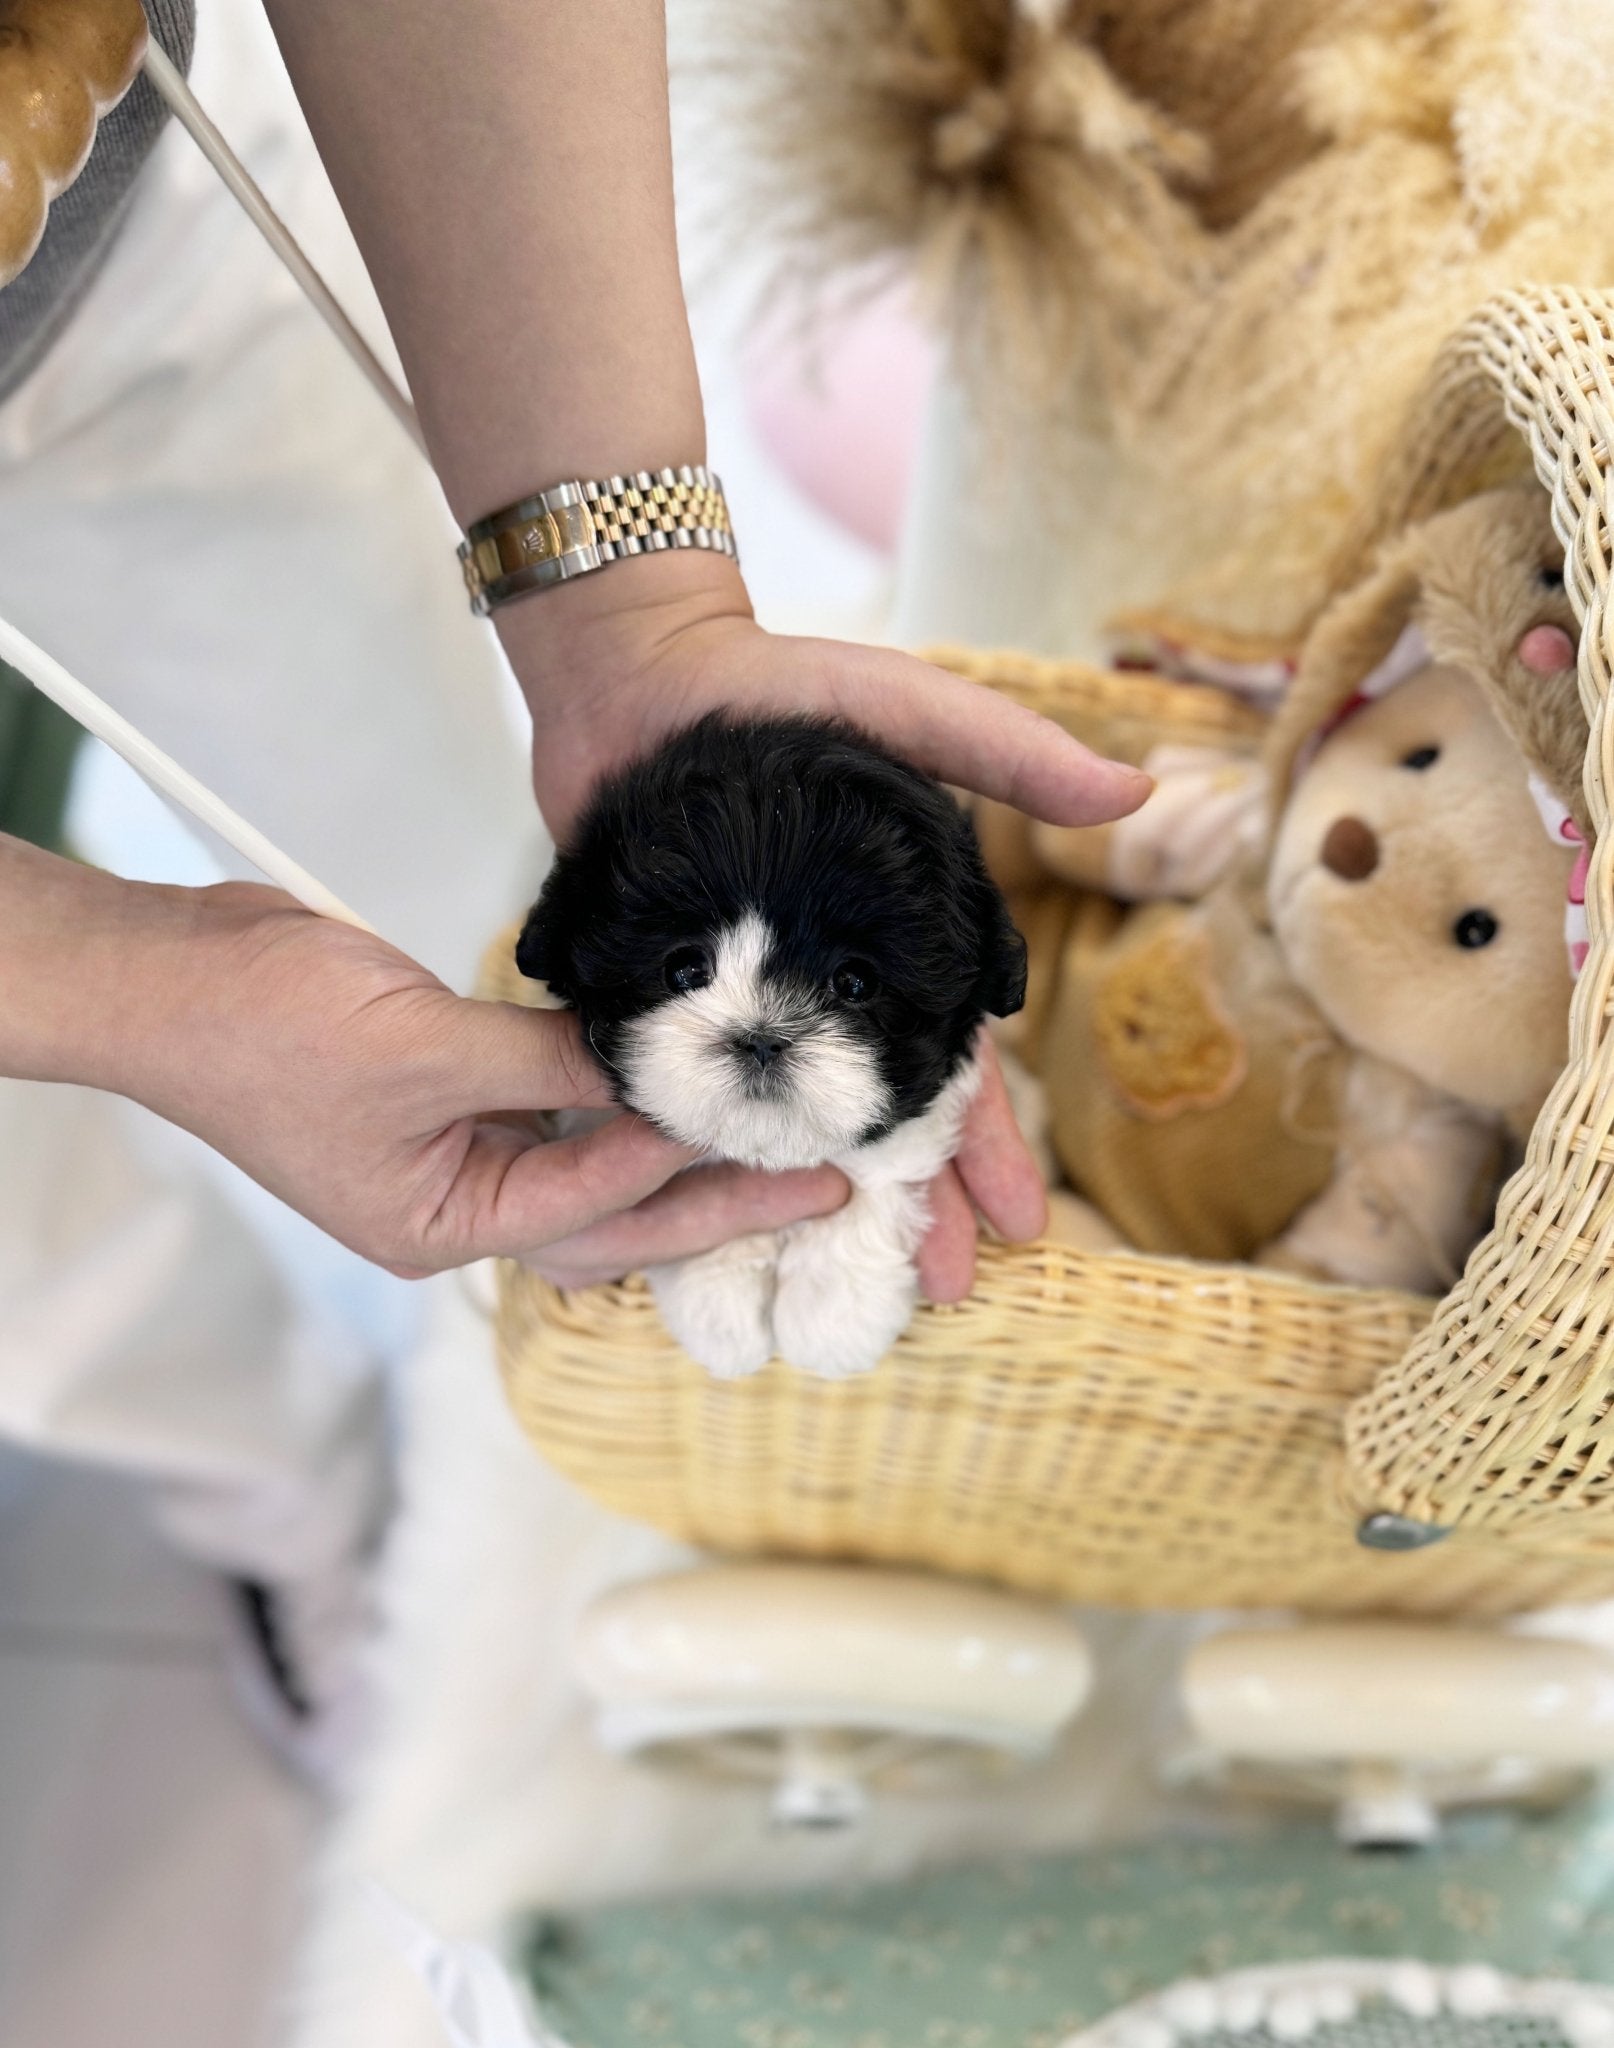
[[832, 1295]]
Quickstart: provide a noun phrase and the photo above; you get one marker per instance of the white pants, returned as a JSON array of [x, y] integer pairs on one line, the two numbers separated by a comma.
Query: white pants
[[211, 520]]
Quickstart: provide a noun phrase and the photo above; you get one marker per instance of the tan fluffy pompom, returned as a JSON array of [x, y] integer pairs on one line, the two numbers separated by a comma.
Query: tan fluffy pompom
[[976, 139]]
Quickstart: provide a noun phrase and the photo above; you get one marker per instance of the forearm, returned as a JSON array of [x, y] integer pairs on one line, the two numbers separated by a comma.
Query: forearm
[[81, 955], [507, 169]]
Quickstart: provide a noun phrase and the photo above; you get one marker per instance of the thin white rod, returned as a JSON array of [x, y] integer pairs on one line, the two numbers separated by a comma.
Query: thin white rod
[[167, 777], [171, 83]]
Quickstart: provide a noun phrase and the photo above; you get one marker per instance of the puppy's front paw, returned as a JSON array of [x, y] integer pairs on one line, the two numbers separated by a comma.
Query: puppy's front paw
[[840, 1302], [719, 1306]]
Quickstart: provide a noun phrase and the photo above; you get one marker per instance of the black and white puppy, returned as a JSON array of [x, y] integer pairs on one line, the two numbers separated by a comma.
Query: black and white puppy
[[782, 942]]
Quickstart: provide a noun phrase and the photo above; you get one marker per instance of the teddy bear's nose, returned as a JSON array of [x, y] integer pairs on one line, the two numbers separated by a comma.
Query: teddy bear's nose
[[1350, 850]]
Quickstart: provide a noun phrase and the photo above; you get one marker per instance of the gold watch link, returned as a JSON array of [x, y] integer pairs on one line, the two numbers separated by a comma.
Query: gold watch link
[[579, 526]]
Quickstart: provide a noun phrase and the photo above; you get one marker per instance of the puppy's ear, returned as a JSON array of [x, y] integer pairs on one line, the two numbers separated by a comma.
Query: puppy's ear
[[1002, 983], [543, 951], [532, 947]]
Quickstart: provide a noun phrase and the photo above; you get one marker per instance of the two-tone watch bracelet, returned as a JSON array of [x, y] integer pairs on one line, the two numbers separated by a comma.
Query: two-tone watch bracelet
[[578, 526]]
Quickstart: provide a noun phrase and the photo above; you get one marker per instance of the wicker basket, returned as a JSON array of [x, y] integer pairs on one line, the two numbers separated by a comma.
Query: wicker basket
[[1498, 1419], [1152, 1433]]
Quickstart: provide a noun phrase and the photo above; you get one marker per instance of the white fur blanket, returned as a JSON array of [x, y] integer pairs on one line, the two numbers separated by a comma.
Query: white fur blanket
[[485, 1792]]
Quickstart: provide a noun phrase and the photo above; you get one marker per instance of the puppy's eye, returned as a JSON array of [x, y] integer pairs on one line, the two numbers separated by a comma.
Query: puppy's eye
[[855, 981], [1475, 928], [1549, 577], [1421, 758], [686, 970]]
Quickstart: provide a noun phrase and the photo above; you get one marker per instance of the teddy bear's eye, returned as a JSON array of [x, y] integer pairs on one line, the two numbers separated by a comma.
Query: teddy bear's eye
[[686, 970], [1421, 758], [1475, 928]]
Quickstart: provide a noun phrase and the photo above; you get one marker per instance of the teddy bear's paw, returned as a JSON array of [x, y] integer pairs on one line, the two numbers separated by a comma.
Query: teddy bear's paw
[[840, 1303], [718, 1306]]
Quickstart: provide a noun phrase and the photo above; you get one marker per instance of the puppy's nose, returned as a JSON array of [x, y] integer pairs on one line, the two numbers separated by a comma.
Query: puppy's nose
[[1350, 849], [763, 1046]]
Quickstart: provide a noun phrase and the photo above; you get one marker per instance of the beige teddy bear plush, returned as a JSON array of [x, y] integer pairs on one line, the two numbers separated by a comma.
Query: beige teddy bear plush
[[1326, 1062]]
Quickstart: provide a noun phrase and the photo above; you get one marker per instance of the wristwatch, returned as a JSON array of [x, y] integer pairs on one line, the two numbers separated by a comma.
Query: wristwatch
[[578, 526]]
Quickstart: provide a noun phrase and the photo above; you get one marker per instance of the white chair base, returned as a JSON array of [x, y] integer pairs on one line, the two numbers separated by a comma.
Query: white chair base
[[1394, 1723], [827, 1682]]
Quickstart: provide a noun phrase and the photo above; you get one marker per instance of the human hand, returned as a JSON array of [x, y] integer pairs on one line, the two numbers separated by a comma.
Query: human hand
[[613, 663], [993, 1176], [400, 1117]]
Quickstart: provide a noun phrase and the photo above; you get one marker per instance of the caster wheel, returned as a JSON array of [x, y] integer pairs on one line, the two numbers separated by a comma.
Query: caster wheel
[[1391, 1723], [827, 1683]]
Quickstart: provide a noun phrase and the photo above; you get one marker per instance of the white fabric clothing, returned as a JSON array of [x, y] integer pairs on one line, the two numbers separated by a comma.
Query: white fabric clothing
[[207, 515], [143, 1327]]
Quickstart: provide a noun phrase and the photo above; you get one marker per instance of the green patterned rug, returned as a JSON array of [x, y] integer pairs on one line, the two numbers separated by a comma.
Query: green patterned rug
[[1016, 1957]]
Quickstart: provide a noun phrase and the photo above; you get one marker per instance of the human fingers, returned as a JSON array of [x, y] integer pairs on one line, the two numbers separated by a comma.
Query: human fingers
[[509, 1196], [692, 1214], [977, 739], [499, 1056], [994, 1162], [947, 1252]]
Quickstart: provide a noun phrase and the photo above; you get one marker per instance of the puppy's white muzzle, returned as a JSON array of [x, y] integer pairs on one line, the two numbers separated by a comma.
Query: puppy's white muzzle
[[748, 1069]]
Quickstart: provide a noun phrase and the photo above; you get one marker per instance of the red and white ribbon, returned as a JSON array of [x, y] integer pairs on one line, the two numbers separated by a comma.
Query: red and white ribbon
[[1563, 831], [1405, 659]]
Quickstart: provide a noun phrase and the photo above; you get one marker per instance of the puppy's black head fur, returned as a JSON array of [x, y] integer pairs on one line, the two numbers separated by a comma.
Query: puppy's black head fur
[[865, 872]]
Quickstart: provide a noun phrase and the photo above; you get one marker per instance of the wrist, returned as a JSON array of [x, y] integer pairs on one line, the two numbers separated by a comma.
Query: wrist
[[597, 646], [84, 957], [617, 618], [610, 662]]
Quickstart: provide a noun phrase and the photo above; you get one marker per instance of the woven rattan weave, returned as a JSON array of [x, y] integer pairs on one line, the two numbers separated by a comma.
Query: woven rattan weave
[[1149, 1433], [1498, 1419]]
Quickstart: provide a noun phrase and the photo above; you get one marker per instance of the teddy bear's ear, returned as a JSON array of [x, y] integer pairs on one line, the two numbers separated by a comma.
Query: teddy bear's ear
[[1351, 638], [1492, 576]]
